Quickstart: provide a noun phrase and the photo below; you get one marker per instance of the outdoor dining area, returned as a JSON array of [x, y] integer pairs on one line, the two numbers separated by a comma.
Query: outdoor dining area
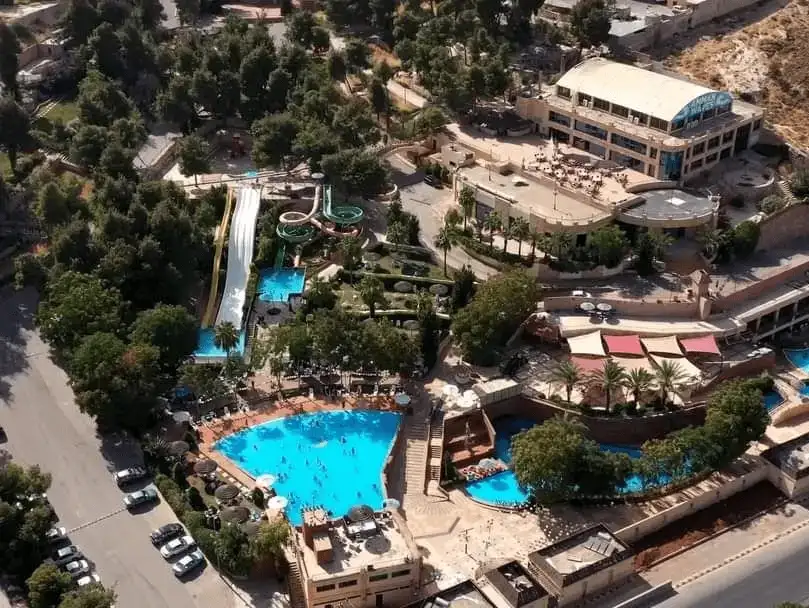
[[597, 311], [571, 169]]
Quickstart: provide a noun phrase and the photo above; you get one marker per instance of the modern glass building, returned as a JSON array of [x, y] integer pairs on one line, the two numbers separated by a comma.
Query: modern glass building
[[660, 125]]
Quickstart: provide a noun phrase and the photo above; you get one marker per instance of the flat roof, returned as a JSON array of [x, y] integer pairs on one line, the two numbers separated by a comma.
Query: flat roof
[[593, 548], [387, 545], [670, 204], [532, 196], [514, 582], [791, 457], [462, 595], [642, 90]]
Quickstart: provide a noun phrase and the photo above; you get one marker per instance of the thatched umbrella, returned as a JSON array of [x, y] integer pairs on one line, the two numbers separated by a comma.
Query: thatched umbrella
[[411, 325], [360, 513], [403, 287], [205, 466], [226, 492], [235, 515], [179, 448], [439, 289]]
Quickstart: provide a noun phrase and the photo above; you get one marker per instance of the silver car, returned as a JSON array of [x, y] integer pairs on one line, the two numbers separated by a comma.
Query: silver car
[[77, 568], [66, 555], [177, 546], [90, 579], [188, 562]]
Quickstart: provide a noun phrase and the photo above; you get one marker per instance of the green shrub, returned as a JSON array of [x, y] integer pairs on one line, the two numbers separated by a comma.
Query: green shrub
[[258, 497], [771, 204], [195, 499], [172, 494], [179, 476]]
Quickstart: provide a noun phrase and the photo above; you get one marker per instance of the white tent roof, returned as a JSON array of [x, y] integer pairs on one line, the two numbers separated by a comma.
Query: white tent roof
[[630, 363], [588, 344], [667, 345], [688, 369]]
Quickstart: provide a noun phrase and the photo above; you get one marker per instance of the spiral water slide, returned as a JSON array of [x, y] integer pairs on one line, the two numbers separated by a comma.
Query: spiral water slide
[[293, 225], [240, 256]]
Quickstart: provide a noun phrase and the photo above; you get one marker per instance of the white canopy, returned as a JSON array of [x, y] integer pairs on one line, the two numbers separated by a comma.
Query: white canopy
[[667, 345], [588, 344], [688, 369]]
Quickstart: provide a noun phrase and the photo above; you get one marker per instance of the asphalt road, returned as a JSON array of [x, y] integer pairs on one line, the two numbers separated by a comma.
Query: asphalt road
[[763, 579], [45, 427], [429, 205]]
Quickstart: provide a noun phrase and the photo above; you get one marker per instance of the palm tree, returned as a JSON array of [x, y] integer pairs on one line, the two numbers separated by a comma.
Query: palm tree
[[560, 244], [372, 292], [492, 223], [444, 240], [608, 379], [638, 381], [452, 219], [568, 375], [669, 375], [226, 337], [536, 237], [466, 199], [520, 230]]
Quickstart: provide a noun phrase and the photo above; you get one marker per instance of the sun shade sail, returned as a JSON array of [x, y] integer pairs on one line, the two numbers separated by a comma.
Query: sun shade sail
[[588, 344], [662, 346], [688, 369], [623, 345], [630, 363], [588, 366], [702, 345]]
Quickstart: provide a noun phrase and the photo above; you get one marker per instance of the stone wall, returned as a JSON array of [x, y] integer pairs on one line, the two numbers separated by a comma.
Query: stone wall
[[784, 227], [628, 431]]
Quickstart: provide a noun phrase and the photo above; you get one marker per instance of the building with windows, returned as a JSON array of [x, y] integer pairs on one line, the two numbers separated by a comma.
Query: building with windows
[[658, 125], [358, 563]]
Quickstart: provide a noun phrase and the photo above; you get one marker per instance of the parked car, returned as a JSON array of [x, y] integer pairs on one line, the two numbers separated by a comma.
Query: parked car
[[55, 535], [77, 568], [165, 533], [187, 563], [177, 546], [127, 476], [90, 579], [141, 497], [432, 180], [66, 555], [3, 436]]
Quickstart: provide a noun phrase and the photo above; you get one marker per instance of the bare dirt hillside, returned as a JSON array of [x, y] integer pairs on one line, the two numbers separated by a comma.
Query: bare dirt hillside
[[767, 60]]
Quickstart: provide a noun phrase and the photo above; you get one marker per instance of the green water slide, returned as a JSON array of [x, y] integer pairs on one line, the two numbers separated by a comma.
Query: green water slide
[[344, 215], [295, 233], [279, 257]]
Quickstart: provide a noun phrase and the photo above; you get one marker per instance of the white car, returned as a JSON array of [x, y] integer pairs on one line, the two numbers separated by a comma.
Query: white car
[[188, 562], [90, 579], [177, 546], [54, 535], [129, 475], [77, 568]]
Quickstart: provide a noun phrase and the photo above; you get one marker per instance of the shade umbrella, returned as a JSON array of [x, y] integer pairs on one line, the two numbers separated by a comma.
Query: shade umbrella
[[411, 325], [178, 448], [278, 503], [205, 466], [265, 481], [251, 528], [487, 463], [604, 307], [439, 289], [226, 492], [360, 513], [235, 515], [587, 306], [403, 287], [391, 504], [181, 416], [402, 399]]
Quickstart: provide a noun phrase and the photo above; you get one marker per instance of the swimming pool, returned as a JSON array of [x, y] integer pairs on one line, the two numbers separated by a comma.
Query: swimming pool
[[333, 459], [799, 358], [503, 488], [206, 345], [772, 399], [277, 284]]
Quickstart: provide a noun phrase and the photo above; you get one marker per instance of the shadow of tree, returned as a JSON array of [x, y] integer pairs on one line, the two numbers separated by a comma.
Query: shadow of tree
[[16, 321]]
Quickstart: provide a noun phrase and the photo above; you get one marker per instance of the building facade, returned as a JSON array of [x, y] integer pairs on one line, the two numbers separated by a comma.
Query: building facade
[[659, 125]]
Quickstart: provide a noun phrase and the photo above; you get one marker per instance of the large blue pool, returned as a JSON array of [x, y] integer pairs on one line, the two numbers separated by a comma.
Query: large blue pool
[[772, 399], [207, 348], [277, 284], [333, 459], [503, 488], [799, 358]]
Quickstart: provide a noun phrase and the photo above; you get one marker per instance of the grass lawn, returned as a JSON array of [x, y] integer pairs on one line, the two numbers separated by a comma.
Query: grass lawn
[[5, 166], [199, 484], [394, 267], [63, 111], [350, 296]]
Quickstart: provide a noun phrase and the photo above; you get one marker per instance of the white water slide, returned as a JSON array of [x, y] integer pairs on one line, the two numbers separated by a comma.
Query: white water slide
[[240, 256]]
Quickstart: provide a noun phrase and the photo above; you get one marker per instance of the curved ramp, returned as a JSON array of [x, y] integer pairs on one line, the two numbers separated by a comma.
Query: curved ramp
[[240, 256]]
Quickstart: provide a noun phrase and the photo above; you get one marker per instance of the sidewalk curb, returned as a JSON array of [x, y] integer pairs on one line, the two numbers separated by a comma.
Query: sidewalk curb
[[741, 554]]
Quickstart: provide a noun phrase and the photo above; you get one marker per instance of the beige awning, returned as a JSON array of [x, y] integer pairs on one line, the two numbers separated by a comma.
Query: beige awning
[[588, 344], [688, 369], [630, 363], [667, 345]]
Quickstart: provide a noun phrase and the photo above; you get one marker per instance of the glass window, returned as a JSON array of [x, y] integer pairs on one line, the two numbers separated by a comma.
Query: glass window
[[345, 584], [600, 104], [584, 99], [728, 136], [657, 123], [713, 142], [325, 587], [710, 158], [563, 92], [629, 144], [558, 118], [696, 164], [620, 110], [724, 153], [642, 118], [653, 152], [688, 153], [399, 573], [757, 125], [699, 148], [377, 577], [593, 130]]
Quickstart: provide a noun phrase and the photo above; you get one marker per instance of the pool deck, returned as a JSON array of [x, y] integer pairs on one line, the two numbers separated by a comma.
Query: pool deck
[[214, 431]]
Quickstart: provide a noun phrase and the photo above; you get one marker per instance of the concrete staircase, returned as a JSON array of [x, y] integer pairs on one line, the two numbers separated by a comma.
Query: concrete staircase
[[436, 451], [416, 437], [297, 596], [786, 192]]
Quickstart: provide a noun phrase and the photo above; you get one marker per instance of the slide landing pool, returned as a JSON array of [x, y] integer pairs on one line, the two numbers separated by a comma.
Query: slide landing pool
[[333, 459]]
